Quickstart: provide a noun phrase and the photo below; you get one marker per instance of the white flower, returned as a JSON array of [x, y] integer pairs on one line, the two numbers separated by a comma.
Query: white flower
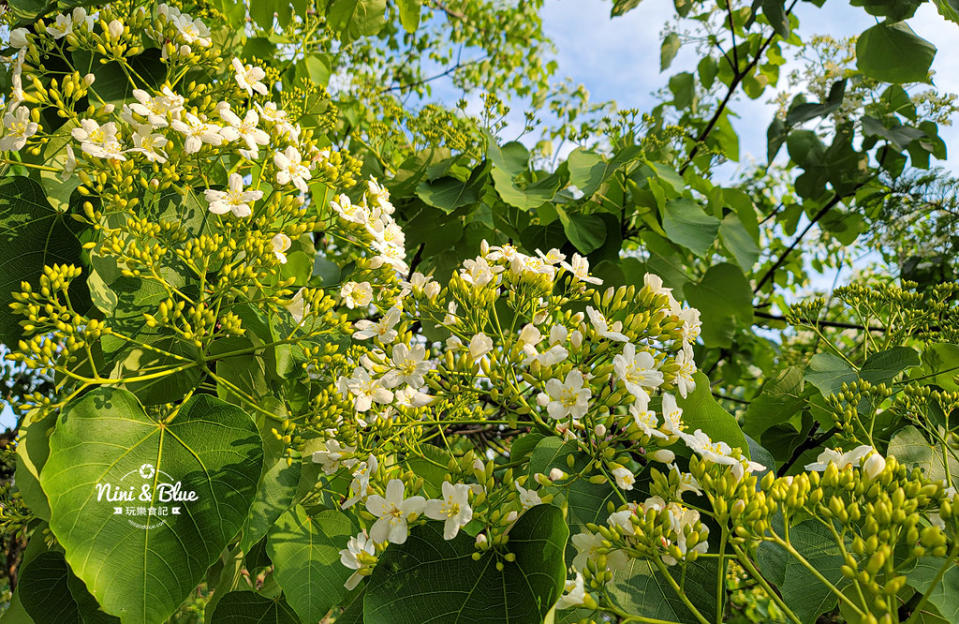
[[409, 366], [297, 307], [357, 547], [480, 345], [553, 256], [663, 456], [244, 129], [193, 31], [680, 517], [149, 144], [637, 371], [624, 477], [601, 327], [280, 243], [290, 168], [687, 482], [715, 452], [528, 498], [18, 38], [356, 295], [99, 141], [479, 272], [332, 456], [453, 508], [196, 132], [684, 380], [692, 325], [360, 485], [873, 466], [842, 460], [569, 397], [645, 418], [672, 415], [349, 211], [557, 334], [17, 128], [235, 199], [393, 511], [579, 267], [248, 77], [157, 109], [552, 356], [575, 593], [365, 389], [412, 398], [655, 285], [61, 26], [382, 330]]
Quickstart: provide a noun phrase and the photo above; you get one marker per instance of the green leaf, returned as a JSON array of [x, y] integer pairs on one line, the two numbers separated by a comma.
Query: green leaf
[[683, 88], [912, 449], [274, 495], [105, 442], [884, 366], [529, 197], [409, 14], [586, 232], [775, 13], [55, 156], [894, 53], [799, 588], [725, 302], [829, 372], [949, 9], [668, 51], [688, 225], [620, 7], [261, 11], [449, 193], [586, 501], [737, 240], [353, 19], [246, 607], [780, 402], [799, 113], [52, 594], [940, 365], [33, 448], [306, 554], [431, 579], [702, 411], [641, 590], [944, 594], [32, 235]]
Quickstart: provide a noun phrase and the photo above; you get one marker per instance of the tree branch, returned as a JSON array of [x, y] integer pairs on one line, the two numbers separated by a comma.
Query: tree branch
[[733, 85], [809, 443], [839, 324]]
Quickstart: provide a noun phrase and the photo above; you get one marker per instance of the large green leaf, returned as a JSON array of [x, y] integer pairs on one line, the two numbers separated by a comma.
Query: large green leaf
[[306, 553], [779, 402], [884, 366], [688, 225], [140, 566], [52, 594], [640, 590], [912, 449], [894, 53], [429, 579], [702, 411], [32, 234], [409, 14], [737, 240], [33, 447], [725, 301], [829, 372], [798, 586], [356, 18], [944, 594], [246, 607], [586, 501], [940, 366]]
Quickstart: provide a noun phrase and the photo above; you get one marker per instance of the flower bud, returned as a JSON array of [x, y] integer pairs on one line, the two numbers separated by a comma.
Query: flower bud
[[663, 456]]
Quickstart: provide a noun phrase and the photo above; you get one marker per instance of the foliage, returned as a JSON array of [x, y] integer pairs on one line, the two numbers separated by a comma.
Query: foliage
[[287, 346]]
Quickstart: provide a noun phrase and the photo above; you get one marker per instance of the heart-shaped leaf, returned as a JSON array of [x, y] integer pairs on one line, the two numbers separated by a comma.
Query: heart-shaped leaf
[[143, 507]]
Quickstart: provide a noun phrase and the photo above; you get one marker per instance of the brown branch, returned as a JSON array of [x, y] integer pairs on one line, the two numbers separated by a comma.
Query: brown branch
[[838, 324], [439, 4], [809, 443], [768, 275]]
